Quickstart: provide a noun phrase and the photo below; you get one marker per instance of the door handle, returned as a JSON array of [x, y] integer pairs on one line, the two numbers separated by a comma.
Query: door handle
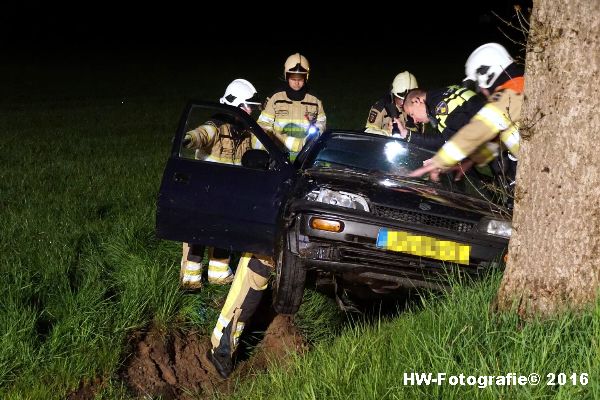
[[181, 177]]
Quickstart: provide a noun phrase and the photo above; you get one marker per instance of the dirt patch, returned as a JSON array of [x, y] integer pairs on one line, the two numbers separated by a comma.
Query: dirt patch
[[175, 365]]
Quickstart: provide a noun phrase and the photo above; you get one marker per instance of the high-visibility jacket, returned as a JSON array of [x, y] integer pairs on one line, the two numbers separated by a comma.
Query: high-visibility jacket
[[290, 120], [381, 117], [219, 141], [495, 124], [448, 109]]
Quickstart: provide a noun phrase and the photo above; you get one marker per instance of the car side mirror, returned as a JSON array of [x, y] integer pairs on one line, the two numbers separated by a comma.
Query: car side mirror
[[256, 159]]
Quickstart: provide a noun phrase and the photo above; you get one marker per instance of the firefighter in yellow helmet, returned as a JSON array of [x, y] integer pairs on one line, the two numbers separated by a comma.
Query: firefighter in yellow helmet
[[292, 113], [386, 116], [494, 127], [220, 141]]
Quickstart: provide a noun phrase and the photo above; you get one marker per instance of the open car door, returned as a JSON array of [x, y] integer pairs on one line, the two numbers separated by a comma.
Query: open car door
[[210, 201]]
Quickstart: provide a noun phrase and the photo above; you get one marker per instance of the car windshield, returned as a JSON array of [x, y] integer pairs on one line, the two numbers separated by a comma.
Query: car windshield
[[382, 156]]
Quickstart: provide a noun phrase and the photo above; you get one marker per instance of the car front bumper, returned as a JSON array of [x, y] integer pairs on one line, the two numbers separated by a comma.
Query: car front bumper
[[354, 253]]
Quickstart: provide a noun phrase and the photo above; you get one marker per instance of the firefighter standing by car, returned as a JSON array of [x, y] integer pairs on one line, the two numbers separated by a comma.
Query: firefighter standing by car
[[386, 116], [293, 114], [447, 110], [495, 125], [221, 141]]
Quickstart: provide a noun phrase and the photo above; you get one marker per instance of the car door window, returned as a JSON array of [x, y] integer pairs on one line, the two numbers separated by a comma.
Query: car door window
[[219, 136]]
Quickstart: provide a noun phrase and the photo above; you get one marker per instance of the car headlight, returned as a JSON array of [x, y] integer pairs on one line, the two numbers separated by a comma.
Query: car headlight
[[337, 198], [497, 227]]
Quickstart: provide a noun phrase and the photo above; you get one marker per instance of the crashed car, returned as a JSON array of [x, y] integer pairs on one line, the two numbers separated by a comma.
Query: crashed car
[[343, 208]]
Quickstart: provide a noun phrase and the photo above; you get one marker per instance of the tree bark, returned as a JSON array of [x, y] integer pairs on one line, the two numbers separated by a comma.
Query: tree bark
[[554, 252]]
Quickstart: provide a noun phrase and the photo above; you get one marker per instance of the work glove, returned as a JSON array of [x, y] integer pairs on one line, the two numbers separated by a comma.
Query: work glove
[[187, 141]]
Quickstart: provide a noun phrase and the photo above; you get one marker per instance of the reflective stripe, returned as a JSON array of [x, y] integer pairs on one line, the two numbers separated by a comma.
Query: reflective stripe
[[218, 264], [218, 334], [239, 328], [493, 117], [451, 154], [222, 160], [454, 100], [211, 130], [267, 118], [289, 126], [191, 278], [511, 139], [219, 274], [192, 266]]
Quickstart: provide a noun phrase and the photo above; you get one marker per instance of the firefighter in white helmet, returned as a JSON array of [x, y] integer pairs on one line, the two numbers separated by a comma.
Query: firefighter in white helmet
[[292, 113], [493, 130], [386, 116], [219, 141]]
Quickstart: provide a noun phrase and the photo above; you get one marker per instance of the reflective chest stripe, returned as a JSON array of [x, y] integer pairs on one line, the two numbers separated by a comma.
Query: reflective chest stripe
[[494, 118], [455, 99]]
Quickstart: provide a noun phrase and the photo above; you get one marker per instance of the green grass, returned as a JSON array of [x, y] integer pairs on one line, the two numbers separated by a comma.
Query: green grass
[[454, 334], [80, 266]]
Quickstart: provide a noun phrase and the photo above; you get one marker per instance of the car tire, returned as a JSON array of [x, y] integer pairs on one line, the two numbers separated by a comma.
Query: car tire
[[290, 276]]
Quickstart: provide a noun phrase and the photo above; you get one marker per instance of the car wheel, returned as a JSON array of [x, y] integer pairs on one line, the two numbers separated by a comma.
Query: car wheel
[[289, 281]]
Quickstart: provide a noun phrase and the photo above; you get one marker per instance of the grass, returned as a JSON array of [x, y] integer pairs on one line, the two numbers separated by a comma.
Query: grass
[[455, 335], [83, 148]]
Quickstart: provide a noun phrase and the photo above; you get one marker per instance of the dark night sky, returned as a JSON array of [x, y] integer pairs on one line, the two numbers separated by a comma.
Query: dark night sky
[[436, 27], [378, 39]]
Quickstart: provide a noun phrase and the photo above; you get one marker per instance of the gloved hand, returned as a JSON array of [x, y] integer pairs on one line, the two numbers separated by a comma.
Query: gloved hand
[[187, 141]]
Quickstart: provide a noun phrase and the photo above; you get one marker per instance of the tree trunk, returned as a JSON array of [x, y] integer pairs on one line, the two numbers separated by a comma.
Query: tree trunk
[[554, 252]]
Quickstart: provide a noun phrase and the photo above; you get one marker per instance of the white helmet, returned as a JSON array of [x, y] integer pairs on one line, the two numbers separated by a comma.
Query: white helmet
[[238, 92], [486, 63], [403, 82], [296, 64]]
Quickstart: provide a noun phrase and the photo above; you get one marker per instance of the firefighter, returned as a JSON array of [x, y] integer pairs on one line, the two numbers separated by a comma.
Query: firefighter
[[251, 279], [495, 126], [293, 114], [387, 111], [220, 141], [447, 110]]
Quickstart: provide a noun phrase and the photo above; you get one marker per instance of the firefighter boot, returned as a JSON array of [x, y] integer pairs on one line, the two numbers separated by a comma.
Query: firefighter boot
[[221, 356], [219, 272], [190, 275]]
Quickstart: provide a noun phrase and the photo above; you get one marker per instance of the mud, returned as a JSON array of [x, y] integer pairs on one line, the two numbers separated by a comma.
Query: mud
[[175, 365]]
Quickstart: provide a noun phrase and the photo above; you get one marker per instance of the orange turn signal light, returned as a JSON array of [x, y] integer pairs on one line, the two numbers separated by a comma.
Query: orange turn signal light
[[326, 224]]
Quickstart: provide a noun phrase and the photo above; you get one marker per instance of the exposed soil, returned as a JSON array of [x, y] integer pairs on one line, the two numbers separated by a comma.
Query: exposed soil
[[175, 365]]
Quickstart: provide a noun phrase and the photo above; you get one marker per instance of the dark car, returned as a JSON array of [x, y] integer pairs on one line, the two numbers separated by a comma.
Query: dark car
[[344, 207]]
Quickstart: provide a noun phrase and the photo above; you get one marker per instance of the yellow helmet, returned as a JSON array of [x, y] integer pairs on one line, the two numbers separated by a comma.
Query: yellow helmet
[[296, 64], [403, 82]]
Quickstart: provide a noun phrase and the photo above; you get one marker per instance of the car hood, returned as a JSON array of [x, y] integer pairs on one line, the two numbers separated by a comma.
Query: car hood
[[406, 193]]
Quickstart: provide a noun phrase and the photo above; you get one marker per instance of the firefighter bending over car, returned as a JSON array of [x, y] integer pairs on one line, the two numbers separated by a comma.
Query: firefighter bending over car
[[221, 141], [293, 114], [494, 128]]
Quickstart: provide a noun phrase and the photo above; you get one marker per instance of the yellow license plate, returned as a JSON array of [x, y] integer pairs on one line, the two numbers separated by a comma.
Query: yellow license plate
[[423, 246]]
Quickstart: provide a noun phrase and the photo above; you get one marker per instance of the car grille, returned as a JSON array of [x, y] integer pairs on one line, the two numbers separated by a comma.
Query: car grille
[[414, 217], [411, 266]]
